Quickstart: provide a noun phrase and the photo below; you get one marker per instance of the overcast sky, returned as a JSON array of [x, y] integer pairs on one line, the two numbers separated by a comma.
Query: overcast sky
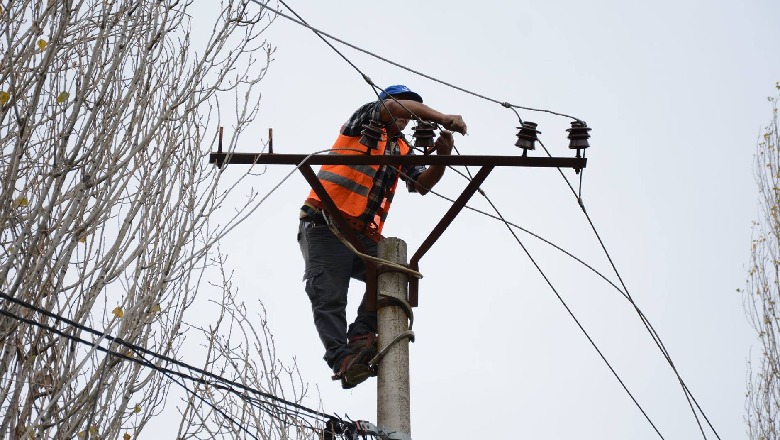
[[675, 92]]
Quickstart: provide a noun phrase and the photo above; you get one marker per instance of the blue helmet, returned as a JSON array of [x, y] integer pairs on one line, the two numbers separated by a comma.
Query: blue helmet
[[403, 91]]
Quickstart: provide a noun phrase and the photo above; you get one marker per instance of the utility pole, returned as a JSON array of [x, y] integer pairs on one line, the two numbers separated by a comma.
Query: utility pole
[[387, 292], [393, 376]]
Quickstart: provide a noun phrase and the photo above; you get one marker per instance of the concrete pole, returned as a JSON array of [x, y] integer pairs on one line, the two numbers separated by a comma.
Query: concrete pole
[[393, 376]]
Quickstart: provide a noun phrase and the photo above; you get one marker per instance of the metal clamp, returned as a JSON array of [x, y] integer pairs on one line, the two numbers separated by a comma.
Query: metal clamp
[[366, 428]]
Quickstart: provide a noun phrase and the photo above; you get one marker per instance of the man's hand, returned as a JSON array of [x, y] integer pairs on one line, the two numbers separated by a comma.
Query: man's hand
[[443, 146], [454, 123], [444, 143]]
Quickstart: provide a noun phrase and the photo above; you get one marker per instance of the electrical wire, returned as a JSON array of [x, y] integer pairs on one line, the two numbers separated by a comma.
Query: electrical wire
[[219, 382], [320, 33], [569, 311], [537, 236], [577, 194], [691, 400], [109, 352], [566, 306], [273, 189], [374, 88], [645, 321]]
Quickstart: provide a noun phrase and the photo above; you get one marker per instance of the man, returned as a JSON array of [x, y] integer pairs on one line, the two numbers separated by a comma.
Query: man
[[363, 194]]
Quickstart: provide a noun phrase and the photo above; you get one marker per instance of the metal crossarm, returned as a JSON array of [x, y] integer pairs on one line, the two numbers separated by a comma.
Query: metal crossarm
[[304, 163], [367, 428], [359, 159]]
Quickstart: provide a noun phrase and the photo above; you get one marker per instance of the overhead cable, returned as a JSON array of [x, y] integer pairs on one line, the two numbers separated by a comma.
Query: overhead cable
[[624, 291], [571, 314], [137, 359], [230, 385], [321, 33], [645, 321]]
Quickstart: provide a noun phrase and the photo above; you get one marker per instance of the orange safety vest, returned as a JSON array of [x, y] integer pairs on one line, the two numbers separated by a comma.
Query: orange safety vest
[[349, 185]]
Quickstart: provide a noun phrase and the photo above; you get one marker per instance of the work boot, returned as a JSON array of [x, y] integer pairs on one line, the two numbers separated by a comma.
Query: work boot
[[354, 369]]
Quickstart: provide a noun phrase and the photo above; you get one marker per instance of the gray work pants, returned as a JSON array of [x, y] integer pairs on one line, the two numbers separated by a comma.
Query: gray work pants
[[329, 266]]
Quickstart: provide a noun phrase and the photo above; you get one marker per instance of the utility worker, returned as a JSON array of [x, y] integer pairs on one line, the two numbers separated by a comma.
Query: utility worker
[[363, 194]]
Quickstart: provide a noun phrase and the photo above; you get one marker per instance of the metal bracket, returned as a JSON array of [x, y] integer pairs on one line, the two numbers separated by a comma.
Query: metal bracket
[[366, 428], [471, 188]]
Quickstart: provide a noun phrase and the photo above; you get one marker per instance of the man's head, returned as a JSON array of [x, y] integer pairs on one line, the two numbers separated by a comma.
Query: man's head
[[400, 92], [397, 125]]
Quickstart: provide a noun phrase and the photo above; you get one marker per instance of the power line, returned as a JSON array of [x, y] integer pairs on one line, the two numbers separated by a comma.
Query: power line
[[538, 237], [653, 333], [568, 310], [624, 291], [508, 224], [691, 400], [501, 218], [221, 382], [139, 359], [320, 33], [576, 321]]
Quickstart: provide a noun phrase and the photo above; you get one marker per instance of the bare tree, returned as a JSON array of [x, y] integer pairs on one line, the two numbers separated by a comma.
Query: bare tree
[[762, 293], [107, 111], [245, 354]]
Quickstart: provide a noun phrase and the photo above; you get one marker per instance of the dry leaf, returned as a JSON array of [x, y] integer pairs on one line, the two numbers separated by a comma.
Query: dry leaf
[[62, 97], [4, 97], [21, 201], [155, 308], [126, 436], [137, 409], [42, 44]]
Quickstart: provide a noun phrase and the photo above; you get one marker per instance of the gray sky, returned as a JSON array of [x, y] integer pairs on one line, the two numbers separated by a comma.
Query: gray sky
[[676, 95]]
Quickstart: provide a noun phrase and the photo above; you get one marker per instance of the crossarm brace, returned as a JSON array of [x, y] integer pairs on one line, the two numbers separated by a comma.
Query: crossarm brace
[[471, 188]]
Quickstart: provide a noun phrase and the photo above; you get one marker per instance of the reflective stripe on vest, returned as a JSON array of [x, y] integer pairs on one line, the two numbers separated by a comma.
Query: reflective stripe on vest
[[342, 181], [349, 185]]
